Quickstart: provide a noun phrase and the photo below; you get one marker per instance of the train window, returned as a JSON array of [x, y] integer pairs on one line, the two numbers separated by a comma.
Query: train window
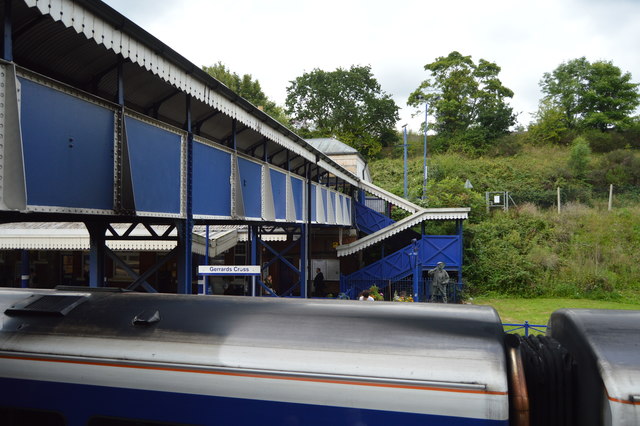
[[111, 421], [12, 416]]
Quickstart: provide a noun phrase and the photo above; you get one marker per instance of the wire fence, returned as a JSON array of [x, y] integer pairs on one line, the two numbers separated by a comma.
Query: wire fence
[[621, 195]]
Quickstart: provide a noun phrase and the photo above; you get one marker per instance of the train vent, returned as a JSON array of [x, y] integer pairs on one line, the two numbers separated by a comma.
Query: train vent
[[48, 305]]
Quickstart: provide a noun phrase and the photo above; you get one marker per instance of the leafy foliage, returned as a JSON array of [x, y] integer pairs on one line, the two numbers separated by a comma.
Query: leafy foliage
[[579, 157], [248, 88], [347, 104], [469, 100], [585, 251], [591, 95]]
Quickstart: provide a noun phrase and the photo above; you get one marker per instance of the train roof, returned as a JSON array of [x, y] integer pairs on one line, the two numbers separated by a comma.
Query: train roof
[[608, 341], [455, 344]]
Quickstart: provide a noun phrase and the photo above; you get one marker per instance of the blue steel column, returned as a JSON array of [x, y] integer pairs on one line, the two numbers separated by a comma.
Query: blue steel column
[[253, 235], [96, 254], [461, 252], [307, 266], [185, 227], [25, 272], [7, 29], [303, 260]]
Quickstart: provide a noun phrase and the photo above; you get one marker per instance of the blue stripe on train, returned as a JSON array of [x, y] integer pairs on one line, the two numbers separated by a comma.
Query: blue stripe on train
[[78, 403]]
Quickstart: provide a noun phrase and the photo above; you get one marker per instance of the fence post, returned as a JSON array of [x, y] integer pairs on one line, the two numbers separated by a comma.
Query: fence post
[[526, 329], [558, 200], [610, 196]]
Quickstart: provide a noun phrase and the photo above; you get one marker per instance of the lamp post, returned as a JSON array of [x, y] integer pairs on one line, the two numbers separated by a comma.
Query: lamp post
[[424, 169], [404, 146]]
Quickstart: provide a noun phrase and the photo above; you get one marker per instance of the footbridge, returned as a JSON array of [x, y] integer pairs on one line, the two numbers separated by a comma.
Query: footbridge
[[103, 124]]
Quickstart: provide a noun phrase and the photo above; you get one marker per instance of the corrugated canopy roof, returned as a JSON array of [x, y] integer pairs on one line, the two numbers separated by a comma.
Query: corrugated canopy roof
[[74, 236]]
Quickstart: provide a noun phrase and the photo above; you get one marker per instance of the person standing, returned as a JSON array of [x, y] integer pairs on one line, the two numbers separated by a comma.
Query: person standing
[[318, 283]]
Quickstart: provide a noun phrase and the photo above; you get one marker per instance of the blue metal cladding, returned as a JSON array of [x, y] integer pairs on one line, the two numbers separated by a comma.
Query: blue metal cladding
[[211, 186], [279, 190], [155, 156], [333, 203], [369, 220], [324, 204], [68, 149], [442, 248], [296, 187], [431, 250], [314, 212], [251, 181]]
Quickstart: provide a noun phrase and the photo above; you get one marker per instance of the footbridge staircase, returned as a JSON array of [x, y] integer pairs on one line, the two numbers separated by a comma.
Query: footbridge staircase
[[421, 253]]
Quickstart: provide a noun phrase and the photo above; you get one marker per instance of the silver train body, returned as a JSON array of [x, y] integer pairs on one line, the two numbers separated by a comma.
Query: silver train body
[[109, 359]]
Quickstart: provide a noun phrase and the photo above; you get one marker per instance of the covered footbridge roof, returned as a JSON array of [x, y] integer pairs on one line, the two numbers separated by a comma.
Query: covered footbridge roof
[[86, 43]]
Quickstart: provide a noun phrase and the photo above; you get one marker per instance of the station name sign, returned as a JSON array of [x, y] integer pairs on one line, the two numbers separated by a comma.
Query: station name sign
[[229, 270]]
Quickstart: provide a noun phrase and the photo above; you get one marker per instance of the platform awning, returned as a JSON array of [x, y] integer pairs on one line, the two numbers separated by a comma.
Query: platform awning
[[74, 236]]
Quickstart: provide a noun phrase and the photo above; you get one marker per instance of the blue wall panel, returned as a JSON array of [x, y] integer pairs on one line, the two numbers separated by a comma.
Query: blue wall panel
[[333, 203], [251, 181], [314, 213], [211, 185], [279, 189], [296, 186], [68, 149], [155, 167], [324, 204]]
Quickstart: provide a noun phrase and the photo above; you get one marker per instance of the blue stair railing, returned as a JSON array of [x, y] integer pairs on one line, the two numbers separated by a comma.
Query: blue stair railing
[[369, 220]]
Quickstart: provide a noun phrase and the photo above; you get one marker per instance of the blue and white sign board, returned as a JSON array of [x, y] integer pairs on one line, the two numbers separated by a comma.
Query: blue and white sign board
[[229, 270]]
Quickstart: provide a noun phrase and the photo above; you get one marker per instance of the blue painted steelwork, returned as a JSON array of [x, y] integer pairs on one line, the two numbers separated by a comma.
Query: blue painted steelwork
[[250, 179], [96, 253], [431, 250], [155, 163], [279, 191], [324, 203], [368, 220], [253, 237], [185, 239], [314, 203], [297, 188], [68, 148], [211, 168], [79, 403], [304, 246], [7, 33]]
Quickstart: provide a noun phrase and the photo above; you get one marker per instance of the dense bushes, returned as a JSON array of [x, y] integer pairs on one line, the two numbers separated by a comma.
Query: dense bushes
[[581, 252]]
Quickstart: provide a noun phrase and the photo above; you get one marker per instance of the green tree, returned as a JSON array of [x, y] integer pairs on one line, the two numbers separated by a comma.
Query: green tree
[[346, 104], [249, 89], [579, 157], [549, 126], [467, 99], [591, 95]]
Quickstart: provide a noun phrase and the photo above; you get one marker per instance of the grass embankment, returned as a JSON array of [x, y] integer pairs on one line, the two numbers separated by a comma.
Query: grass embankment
[[538, 311]]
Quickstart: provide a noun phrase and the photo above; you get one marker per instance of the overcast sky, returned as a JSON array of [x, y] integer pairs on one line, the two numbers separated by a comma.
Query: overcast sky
[[278, 40]]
